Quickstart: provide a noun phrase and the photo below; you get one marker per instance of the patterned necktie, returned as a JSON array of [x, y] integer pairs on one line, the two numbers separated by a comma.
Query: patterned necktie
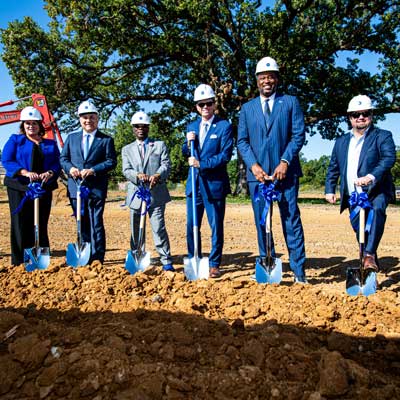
[[142, 150], [267, 111], [86, 147], [203, 134]]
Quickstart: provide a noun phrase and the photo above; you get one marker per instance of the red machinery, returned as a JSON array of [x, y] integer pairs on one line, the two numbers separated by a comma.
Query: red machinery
[[40, 103]]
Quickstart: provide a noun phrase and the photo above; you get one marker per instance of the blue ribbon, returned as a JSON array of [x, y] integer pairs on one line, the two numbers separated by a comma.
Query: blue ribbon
[[35, 190], [357, 201], [143, 194], [269, 194]]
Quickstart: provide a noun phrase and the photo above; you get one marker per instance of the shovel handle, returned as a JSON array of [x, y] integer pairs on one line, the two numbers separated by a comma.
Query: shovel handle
[[36, 211], [361, 229], [78, 205], [143, 212]]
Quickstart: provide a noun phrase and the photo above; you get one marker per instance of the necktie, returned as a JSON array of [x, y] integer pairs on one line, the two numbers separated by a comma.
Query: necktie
[[142, 150], [203, 134], [267, 111], [86, 147]]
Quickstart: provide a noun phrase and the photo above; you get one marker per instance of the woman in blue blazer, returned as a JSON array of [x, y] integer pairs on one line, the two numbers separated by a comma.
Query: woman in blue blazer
[[28, 157]]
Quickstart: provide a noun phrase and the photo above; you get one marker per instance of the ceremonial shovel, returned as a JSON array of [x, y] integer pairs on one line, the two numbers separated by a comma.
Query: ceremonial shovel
[[36, 257], [272, 272], [78, 254], [195, 267]]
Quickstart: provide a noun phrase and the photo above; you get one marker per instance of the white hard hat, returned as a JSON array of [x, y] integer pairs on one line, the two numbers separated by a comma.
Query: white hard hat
[[140, 117], [30, 114], [87, 107], [203, 92], [267, 64], [359, 103]]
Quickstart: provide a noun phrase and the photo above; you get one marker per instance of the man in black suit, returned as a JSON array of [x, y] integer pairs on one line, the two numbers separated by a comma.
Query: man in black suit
[[90, 154], [363, 157]]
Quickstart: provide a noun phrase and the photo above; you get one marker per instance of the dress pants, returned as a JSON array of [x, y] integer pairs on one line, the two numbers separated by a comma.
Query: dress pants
[[291, 224], [92, 226], [160, 235], [215, 210], [22, 224]]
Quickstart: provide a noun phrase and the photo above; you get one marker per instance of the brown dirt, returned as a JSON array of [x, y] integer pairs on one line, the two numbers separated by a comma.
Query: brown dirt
[[99, 333]]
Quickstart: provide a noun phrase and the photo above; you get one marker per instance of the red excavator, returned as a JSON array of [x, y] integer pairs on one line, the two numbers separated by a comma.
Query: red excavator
[[40, 103]]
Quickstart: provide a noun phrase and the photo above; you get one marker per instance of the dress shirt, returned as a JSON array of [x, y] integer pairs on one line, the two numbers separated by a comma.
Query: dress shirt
[[91, 138], [204, 128]]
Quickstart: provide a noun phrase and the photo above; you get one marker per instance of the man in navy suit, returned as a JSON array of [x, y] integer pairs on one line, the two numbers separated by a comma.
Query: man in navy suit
[[270, 135], [90, 154], [363, 157], [213, 144]]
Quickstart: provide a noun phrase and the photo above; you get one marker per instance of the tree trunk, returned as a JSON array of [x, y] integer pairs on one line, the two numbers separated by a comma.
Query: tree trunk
[[241, 183]]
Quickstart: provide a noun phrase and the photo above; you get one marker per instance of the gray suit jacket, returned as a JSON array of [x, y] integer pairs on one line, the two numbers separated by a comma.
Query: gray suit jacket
[[156, 161]]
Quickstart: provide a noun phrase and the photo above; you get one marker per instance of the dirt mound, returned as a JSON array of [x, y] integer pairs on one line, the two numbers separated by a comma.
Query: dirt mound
[[99, 333]]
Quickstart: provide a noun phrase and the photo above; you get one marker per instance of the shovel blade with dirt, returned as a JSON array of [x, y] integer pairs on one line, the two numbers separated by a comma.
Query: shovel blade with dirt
[[269, 271], [78, 254], [36, 257]]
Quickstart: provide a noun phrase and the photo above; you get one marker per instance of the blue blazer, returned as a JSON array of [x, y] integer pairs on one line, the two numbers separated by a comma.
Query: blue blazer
[[267, 144], [17, 155], [215, 154], [101, 158], [378, 155]]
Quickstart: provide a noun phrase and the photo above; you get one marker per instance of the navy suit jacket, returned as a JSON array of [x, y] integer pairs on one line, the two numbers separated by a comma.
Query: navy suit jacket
[[267, 144], [17, 155], [378, 155], [215, 154], [101, 158]]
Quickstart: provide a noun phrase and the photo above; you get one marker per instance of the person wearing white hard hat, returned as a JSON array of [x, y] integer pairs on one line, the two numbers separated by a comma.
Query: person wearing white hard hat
[[146, 161], [89, 155], [29, 157], [363, 158], [213, 143], [271, 134]]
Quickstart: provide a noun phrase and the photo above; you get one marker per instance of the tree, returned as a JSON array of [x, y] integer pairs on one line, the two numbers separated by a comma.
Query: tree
[[123, 52]]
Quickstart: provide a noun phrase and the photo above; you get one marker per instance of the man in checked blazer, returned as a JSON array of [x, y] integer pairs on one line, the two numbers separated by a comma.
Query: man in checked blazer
[[213, 144], [363, 157], [146, 160], [271, 133], [90, 154]]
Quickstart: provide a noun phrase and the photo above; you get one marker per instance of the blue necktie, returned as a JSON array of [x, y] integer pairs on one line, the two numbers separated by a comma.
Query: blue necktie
[[86, 147], [267, 111]]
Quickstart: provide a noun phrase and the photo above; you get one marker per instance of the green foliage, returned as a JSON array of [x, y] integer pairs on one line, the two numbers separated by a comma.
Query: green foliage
[[396, 169], [314, 172]]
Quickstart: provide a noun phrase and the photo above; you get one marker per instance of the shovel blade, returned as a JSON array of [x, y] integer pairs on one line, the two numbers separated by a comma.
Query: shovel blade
[[36, 258], [135, 263], [271, 274], [353, 281], [370, 284], [78, 255], [196, 268]]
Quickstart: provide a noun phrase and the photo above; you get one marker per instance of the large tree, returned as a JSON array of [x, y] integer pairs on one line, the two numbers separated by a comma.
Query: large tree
[[121, 52]]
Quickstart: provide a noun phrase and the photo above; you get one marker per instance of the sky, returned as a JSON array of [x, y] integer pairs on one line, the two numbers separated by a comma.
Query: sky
[[10, 11]]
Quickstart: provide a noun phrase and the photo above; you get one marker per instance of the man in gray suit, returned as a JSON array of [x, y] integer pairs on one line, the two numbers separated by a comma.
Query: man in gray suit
[[146, 160]]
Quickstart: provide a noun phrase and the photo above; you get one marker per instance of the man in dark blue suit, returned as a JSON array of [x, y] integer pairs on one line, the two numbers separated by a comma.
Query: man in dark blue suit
[[213, 144], [363, 157], [90, 154], [270, 135]]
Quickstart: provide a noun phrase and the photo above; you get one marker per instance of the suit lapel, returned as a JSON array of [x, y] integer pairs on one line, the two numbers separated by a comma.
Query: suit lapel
[[80, 139], [275, 109], [149, 149], [209, 132], [365, 147], [137, 155], [259, 114]]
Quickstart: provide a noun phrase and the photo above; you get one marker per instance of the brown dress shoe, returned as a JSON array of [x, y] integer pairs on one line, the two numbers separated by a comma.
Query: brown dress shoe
[[370, 263], [215, 272]]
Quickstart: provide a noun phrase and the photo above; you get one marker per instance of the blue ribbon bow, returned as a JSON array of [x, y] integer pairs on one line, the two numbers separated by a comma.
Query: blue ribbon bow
[[85, 191], [144, 194], [269, 194], [357, 201], [35, 190]]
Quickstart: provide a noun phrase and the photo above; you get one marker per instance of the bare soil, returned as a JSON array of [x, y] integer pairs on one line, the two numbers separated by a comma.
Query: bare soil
[[100, 333]]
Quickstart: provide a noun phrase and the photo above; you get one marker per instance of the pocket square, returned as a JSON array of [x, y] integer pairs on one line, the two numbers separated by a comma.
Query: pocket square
[[213, 136]]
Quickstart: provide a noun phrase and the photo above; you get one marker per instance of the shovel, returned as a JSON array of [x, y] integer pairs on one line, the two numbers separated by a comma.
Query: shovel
[[139, 260], [36, 257], [357, 280], [195, 268], [78, 254], [272, 272]]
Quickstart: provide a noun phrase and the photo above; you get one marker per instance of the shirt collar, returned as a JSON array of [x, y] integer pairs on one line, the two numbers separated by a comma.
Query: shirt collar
[[208, 122], [272, 97], [89, 133]]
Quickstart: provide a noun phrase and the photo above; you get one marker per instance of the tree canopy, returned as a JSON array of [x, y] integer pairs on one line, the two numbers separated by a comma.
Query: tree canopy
[[123, 52]]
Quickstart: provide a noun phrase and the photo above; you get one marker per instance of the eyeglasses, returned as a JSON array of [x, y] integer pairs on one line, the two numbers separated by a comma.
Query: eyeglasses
[[208, 104], [357, 114]]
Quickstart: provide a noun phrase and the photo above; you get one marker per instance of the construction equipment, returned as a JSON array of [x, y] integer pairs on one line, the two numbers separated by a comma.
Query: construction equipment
[[40, 103], [78, 254], [36, 257], [139, 259], [359, 281], [195, 267]]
